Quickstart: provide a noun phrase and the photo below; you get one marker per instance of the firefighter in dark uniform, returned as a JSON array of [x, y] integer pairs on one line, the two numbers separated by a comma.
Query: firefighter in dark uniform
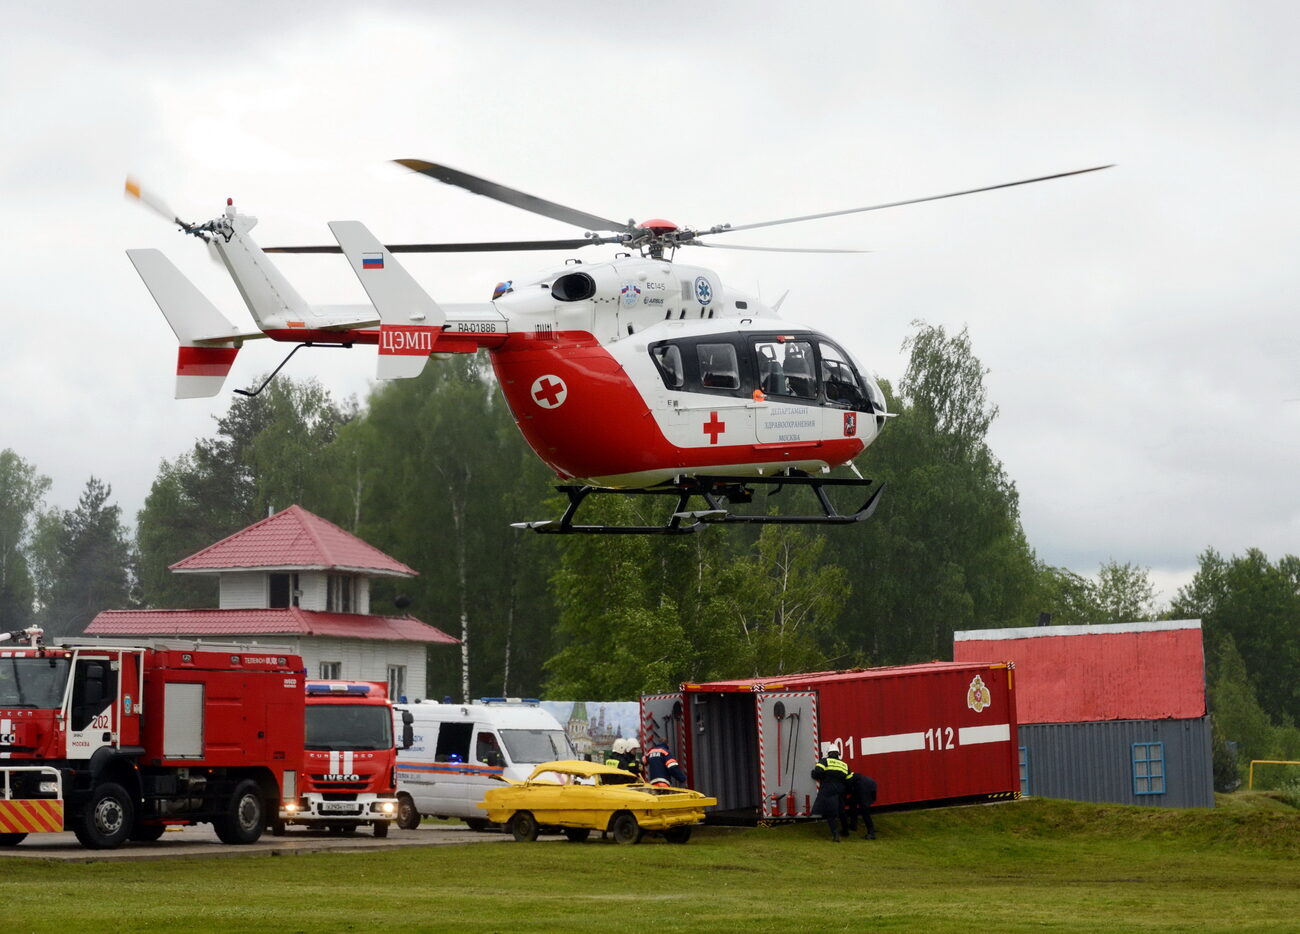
[[832, 773], [625, 756], [661, 767], [862, 794]]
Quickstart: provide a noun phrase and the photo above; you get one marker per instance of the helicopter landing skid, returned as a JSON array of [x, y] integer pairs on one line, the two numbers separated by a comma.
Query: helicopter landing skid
[[719, 494]]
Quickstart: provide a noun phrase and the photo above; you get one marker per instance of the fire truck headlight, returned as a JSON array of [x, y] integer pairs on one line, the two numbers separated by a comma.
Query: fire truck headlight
[[389, 807], [291, 806], [49, 788]]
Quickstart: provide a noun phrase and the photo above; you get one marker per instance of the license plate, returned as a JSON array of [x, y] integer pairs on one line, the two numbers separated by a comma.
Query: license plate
[[339, 807]]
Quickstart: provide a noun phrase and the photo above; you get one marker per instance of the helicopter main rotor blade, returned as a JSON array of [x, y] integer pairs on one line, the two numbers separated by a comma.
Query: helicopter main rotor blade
[[895, 204], [481, 186], [487, 247], [766, 249]]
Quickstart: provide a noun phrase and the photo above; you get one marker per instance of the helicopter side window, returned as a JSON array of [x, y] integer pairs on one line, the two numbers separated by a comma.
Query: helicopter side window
[[668, 361], [718, 366], [841, 381], [771, 374], [800, 374]]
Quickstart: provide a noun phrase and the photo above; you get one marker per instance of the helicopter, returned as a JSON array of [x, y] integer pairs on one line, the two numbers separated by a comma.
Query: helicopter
[[633, 376]]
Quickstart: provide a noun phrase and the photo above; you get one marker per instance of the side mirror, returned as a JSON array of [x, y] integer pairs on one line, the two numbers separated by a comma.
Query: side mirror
[[408, 731]]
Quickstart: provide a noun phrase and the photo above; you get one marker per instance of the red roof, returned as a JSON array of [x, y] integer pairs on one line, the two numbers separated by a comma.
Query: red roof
[[290, 621], [814, 678], [294, 539], [1082, 674]]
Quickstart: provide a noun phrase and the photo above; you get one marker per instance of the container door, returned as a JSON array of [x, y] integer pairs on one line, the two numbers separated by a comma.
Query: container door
[[663, 720], [787, 752]]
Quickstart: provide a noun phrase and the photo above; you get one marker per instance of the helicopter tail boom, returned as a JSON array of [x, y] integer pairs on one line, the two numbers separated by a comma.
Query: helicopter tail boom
[[208, 342]]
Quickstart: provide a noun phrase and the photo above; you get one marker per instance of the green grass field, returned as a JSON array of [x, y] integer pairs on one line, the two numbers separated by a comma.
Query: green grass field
[[1028, 865]]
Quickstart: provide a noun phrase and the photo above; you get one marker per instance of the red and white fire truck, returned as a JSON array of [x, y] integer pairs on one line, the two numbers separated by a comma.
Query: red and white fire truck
[[116, 741], [349, 766]]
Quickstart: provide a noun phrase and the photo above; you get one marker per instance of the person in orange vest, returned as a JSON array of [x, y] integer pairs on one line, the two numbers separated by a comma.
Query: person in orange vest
[[660, 766]]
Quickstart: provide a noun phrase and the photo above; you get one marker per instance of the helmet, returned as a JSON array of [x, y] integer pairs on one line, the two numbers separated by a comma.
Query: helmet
[[621, 745]]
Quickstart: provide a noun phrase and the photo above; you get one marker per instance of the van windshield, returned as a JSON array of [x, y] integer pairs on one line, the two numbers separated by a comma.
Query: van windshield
[[533, 746]]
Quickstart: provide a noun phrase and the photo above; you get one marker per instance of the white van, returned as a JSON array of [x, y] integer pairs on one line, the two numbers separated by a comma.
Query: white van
[[459, 750]]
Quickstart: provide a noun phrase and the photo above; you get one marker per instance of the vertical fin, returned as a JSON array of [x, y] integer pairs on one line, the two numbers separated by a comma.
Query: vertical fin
[[272, 301], [410, 320], [207, 345]]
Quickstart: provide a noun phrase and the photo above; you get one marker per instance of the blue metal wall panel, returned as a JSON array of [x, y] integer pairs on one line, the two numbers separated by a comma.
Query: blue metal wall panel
[[1094, 761]]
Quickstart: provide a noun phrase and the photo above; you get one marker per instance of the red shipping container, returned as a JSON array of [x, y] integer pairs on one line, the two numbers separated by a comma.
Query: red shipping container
[[926, 733]]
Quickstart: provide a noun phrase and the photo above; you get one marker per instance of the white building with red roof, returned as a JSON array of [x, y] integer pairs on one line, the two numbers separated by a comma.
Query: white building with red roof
[[299, 581]]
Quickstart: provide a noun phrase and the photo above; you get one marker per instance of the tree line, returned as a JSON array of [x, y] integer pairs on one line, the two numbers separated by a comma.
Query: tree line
[[433, 471]]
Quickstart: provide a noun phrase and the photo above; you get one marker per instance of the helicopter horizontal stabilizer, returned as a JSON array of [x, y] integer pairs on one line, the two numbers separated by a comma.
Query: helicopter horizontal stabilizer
[[208, 342], [409, 319]]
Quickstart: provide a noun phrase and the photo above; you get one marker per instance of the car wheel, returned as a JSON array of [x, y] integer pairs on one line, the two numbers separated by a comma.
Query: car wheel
[[478, 823], [577, 834], [677, 834], [408, 818], [12, 839], [381, 829], [106, 819], [278, 827], [524, 827], [244, 816], [625, 829]]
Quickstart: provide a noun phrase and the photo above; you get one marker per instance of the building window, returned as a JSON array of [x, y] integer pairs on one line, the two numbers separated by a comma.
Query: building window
[[1148, 768], [1024, 770], [339, 596], [397, 682], [331, 671], [284, 591]]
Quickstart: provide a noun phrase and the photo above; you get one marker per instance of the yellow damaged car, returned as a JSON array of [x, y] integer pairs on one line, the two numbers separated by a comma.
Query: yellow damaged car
[[575, 798]]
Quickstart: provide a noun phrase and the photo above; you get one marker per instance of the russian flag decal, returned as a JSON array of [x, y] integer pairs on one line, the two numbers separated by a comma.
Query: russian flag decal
[[372, 260]]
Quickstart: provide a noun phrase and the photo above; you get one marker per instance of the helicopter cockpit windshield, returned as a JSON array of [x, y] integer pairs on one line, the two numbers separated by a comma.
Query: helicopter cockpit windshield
[[805, 367]]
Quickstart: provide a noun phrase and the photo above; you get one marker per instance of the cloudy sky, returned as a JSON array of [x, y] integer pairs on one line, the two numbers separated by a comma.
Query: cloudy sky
[[1138, 323]]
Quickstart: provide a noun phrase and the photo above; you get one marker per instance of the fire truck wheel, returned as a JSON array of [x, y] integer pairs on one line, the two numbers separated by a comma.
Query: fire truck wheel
[[524, 826], [677, 834], [12, 839], [381, 829], [408, 818], [626, 829], [278, 827], [577, 834], [147, 833], [106, 818], [244, 817]]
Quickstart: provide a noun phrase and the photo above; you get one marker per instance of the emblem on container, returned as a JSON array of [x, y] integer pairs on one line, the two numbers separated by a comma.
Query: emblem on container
[[978, 695]]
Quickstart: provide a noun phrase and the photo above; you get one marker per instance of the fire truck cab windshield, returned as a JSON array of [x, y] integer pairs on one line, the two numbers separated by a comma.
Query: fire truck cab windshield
[[349, 727], [33, 682]]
